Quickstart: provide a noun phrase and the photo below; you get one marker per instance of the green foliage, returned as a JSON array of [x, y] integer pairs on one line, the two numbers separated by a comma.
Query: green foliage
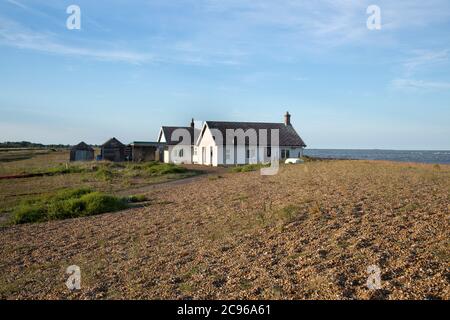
[[289, 213], [136, 198], [308, 159], [249, 167], [71, 193], [27, 213], [66, 204], [98, 202], [159, 169], [280, 217], [104, 174], [113, 165], [154, 169], [212, 178]]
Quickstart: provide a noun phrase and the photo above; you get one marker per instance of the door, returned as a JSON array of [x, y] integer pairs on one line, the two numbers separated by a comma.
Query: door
[[211, 155], [81, 155], [203, 155]]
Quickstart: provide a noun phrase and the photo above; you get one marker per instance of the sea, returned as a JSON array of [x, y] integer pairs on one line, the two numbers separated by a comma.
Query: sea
[[439, 157]]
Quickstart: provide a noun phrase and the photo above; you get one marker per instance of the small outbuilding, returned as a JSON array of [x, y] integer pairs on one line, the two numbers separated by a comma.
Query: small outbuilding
[[146, 151], [81, 152], [113, 150]]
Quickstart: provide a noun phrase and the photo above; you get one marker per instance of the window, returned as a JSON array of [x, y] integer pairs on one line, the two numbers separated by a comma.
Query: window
[[285, 154], [195, 151], [269, 152], [227, 154], [247, 154], [180, 153]]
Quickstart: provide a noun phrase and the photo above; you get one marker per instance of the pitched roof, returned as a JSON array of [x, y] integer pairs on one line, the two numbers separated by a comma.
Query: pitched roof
[[169, 130], [146, 144], [287, 134], [82, 146], [113, 143]]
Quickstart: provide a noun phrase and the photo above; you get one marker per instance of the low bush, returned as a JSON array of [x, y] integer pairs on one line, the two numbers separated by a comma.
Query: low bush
[[212, 178], [98, 202], [136, 198], [249, 167], [69, 203], [154, 168], [104, 174], [159, 169]]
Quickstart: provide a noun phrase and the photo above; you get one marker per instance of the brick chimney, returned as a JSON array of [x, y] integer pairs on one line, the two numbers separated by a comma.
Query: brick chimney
[[287, 119]]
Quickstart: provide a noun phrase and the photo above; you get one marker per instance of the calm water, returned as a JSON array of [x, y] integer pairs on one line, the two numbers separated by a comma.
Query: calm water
[[392, 155]]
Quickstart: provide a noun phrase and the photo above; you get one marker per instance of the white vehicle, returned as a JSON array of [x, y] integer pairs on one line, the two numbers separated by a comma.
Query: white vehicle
[[293, 160]]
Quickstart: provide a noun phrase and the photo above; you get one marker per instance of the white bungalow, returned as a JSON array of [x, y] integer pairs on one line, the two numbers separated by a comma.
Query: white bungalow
[[178, 143], [231, 143]]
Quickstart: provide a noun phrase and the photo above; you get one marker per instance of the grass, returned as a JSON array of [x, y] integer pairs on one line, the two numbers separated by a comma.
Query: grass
[[409, 207], [159, 169], [137, 198], [11, 155], [48, 172], [104, 171], [70, 203], [213, 178], [28, 161], [249, 167], [104, 174]]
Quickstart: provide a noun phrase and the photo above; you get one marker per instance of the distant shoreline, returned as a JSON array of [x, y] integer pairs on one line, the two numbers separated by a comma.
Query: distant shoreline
[[414, 156]]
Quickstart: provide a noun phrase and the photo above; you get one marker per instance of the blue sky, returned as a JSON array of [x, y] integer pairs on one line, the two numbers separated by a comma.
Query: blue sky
[[136, 65]]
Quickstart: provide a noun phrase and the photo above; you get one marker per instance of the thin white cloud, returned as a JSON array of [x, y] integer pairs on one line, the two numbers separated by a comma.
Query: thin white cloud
[[422, 61], [34, 11], [17, 4], [411, 84], [425, 59], [14, 35], [233, 32], [327, 23]]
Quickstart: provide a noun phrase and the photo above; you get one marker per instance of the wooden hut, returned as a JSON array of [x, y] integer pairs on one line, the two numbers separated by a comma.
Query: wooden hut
[[146, 151], [81, 152], [113, 150]]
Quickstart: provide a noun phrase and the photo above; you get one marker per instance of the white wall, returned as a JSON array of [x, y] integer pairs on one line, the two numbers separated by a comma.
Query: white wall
[[206, 144], [161, 137], [172, 155], [166, 156]]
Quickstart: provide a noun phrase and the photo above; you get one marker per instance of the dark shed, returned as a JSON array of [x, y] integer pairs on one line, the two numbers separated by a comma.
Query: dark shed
[[113, 150], [146, 151], [81, 152]]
